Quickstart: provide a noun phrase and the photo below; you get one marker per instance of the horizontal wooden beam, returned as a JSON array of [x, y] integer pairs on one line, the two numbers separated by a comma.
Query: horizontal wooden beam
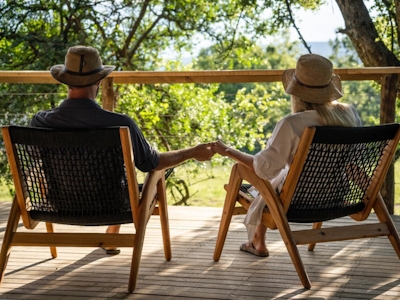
[[212, 76], [73, 239], [342, 233]]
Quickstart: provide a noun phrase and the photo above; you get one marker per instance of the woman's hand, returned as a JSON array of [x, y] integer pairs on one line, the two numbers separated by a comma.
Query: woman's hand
[[241, 157], [220, 148]]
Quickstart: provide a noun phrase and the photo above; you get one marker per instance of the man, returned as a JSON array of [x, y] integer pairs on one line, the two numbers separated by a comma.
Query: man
[[82, 72]]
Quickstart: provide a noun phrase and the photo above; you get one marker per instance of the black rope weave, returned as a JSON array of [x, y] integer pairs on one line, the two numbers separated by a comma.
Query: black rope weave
[[325, 190], [73, 177]]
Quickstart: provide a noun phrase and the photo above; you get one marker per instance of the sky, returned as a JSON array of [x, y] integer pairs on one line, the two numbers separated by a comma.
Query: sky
[[319, 26]]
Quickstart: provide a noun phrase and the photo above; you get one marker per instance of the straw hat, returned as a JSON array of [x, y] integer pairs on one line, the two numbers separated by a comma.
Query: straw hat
[[82, 67], [313, 80]]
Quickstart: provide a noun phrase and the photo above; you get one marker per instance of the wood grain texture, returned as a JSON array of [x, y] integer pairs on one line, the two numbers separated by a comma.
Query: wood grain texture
[[359, 269], [206, 76]]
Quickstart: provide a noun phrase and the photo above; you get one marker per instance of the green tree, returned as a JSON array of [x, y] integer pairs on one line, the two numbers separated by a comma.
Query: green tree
[[247, 55], [363, 95], [257, 111], [255, 106], [35, 34], [133, 35]]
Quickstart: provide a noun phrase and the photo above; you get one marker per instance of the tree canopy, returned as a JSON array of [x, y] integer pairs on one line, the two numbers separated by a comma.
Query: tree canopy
[[136, 35]]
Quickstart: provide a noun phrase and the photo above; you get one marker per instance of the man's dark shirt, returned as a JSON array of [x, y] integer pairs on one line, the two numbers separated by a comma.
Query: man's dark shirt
[[86, 113]]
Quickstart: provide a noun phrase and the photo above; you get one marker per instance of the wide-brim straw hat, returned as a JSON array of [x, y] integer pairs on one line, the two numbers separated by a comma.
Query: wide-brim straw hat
[[313, 80], [83, 67]]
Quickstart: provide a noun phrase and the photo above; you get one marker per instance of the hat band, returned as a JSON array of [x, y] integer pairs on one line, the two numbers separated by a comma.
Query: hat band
[[83, 74], [311, 86]]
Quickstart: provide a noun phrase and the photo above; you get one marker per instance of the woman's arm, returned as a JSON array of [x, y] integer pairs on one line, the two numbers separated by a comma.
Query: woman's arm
[[241, 157]]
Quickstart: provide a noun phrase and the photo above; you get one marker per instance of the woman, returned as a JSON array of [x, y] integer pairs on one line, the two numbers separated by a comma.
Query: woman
[[314, 90]]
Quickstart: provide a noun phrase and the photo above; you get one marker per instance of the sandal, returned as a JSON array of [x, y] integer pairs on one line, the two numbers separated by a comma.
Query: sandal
[[111, 251], [250, 249]]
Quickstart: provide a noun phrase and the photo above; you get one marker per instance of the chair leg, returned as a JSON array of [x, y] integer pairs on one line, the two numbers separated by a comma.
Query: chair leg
[[384, 217], [294, 254], [163, 211], [136, 257], [316, 225], [50, 229], [137, 248], [287, 237], [229, 205], [12, 225]]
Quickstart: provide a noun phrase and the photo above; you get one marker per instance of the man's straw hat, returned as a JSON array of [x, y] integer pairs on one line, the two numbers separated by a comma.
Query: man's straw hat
[[313, 80], [82, 67]]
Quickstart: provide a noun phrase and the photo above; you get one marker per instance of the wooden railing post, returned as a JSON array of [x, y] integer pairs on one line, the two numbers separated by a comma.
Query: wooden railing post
[[389, 85], [107, 95]]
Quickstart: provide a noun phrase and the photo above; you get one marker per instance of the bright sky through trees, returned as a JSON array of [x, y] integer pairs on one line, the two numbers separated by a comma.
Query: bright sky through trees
[[321, 25]]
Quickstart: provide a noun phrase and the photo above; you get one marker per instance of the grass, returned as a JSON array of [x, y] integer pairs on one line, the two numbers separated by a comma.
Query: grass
[[206, 185], [206, 188], [4, 192]]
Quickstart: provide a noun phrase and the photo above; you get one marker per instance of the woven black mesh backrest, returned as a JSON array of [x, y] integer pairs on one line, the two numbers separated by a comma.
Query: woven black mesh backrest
[[73, 176], [324, 190]]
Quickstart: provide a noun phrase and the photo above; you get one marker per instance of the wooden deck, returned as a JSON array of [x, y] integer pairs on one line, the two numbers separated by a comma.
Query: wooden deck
[[362, 269]]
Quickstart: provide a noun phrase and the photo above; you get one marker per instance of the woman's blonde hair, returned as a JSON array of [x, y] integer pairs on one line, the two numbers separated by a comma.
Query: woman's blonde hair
[[330, 113]]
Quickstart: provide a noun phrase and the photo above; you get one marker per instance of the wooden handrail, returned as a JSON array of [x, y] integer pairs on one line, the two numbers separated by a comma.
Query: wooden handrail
[[212, 76]]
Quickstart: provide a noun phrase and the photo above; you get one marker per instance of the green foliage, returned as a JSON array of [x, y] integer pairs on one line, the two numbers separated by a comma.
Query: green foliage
[[133, 35], [182, 115], [385, 22], [258, 110], [363, 95], [129, 34], [277, 54], [175, 116]]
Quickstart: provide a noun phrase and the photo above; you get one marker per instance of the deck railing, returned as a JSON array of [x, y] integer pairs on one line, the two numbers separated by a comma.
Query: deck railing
[[388, 77]]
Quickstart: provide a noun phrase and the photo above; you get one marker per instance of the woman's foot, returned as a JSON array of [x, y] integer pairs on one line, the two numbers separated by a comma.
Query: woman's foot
[[112, 229], [249, 247]]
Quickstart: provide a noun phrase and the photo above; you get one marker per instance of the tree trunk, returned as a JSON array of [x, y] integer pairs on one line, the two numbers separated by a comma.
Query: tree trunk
[[363, 35], [373, 53], [389, 86]]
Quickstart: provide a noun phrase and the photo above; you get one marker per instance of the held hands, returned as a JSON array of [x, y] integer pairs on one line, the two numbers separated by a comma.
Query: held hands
[[203, 152]]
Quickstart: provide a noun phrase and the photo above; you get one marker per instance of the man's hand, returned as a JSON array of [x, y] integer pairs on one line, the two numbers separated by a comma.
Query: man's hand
[[203, 152]]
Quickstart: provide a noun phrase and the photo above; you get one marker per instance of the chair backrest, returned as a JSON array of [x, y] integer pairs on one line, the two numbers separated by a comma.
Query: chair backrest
[[76, 176], [338, 172]]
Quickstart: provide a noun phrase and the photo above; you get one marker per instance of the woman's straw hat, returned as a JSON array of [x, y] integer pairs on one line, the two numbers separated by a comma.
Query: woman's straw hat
[[313, 80], [82, 67]]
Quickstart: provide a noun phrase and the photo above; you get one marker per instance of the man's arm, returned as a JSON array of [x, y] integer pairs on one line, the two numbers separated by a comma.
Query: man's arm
[[201, 152]]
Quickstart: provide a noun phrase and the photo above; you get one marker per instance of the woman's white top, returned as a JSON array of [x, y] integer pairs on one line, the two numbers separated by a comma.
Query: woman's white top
[[272, 163]]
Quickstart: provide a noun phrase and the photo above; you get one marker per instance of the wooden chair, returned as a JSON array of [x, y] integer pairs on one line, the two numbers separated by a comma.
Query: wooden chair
[[336, 172], [80, 177]]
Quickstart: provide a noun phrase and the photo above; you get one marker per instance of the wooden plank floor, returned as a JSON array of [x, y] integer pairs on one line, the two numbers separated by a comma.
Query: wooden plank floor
[[361, 269]]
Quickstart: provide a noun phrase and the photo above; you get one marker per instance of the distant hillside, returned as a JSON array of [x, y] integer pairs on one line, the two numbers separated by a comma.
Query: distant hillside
[[321, 48]]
